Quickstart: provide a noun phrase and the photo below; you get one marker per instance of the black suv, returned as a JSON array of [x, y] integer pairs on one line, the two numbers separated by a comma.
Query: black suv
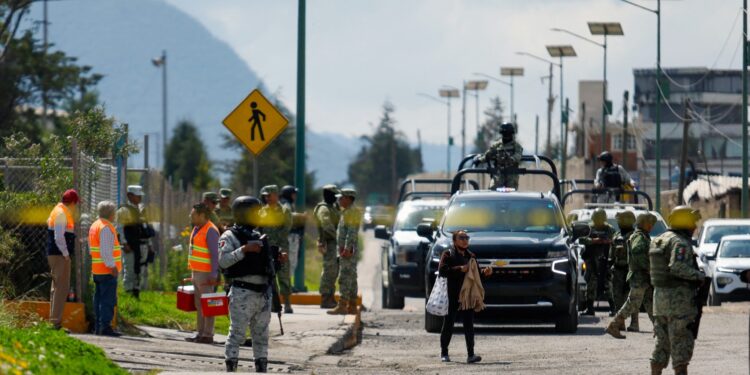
[[523, 237]]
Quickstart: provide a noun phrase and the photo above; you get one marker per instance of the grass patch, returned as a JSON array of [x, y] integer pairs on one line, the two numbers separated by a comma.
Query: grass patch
[[159, 309], [34, 347]]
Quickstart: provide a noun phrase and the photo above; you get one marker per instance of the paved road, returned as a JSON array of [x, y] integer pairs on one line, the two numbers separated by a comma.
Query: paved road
[[395, 342]]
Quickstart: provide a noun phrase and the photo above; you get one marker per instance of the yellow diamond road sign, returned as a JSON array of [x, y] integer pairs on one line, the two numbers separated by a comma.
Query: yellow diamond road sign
[[256, 122]]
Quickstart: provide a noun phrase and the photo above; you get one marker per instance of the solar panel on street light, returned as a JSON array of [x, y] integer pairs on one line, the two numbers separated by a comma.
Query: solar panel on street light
[[511, 72], [561, 51], [449, 93], [605, 28], [476, 85]]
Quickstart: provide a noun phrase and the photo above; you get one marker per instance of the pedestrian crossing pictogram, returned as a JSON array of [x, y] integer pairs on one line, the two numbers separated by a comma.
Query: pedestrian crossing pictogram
[[255, 122]]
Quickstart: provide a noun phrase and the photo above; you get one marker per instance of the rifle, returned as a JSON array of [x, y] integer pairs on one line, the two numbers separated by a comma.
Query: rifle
[[275, 299], [701, 297]]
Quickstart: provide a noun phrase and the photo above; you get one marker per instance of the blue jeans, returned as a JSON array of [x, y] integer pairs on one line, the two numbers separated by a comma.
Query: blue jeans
[[105, 299]]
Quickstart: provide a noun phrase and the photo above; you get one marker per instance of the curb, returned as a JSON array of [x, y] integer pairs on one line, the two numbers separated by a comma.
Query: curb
[[350, 333], [313, 298]]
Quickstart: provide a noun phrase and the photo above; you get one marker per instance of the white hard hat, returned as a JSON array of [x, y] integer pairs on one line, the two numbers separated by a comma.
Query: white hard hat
[[135, 190]]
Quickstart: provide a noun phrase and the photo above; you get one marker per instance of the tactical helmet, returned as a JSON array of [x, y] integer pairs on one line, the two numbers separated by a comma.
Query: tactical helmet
[[683, 217], [507, 128], [606, 157], [329, 193], [625, 219], [645, 218], [599, 216], [287, 191], [245, 209]]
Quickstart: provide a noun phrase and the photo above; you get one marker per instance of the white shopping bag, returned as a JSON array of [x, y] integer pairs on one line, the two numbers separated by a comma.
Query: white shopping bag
[[437, 304]]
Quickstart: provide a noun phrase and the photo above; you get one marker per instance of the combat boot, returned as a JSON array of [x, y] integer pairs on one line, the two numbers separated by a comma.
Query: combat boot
[[340, 309], [261, 365], [613, 329], [656, 369], [327, 301], [352, 307], [231, 365], [680, 370], [589, 308], [634, 327], [288, 306], [621, 325]]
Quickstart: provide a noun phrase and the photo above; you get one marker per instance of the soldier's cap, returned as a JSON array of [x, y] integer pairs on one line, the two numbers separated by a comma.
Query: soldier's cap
[[225, 192], [211, 195], [331, 187], [269, 189], [347, 193], [135, 190]]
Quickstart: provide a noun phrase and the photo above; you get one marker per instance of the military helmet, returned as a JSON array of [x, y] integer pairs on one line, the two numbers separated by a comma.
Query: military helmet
[[645, 218], [507, 128], [599, 216], [625, 219], [244, 209], [683, 217], [605, 156], [288, 190]]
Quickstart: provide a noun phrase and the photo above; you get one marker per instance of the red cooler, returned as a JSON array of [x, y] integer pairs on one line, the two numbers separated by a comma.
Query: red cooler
[[215, 304], [186, 298]]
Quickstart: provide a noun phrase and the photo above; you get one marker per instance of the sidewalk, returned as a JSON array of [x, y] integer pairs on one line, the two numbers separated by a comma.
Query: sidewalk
[[309, 336]]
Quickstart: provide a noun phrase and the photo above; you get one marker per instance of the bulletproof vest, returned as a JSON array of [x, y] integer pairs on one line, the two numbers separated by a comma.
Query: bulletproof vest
[[335, 217], [659, 255], [253, 263], [134, 230], [632, 265], [611, 176], [620, 244], [593, 251]]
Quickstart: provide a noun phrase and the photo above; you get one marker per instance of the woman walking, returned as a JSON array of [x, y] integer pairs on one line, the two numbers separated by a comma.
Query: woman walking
[[455, 263]]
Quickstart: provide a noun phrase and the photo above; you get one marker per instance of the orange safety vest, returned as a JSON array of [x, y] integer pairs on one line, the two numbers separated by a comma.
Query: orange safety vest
[[200, 257], [70, 225], [97, 263]]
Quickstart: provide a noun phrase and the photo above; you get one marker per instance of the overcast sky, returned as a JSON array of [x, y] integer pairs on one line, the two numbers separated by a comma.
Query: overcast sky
[[361, 53]]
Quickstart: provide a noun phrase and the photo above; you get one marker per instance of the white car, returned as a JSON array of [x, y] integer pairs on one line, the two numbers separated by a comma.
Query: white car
[[713, 230], [725, 267]]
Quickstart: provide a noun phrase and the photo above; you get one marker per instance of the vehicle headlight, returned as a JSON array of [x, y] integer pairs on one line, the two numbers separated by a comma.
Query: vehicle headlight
[[401, 254], [721, 281], [559, 267], [727, 270]]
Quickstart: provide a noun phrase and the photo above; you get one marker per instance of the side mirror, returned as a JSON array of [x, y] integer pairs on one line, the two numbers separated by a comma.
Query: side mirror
[[580, 229], [711, 256], [425, 230], [381, 233], [694, 242]]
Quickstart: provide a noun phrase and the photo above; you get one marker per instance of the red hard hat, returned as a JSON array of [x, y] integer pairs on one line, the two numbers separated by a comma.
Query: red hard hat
[[70, 196]]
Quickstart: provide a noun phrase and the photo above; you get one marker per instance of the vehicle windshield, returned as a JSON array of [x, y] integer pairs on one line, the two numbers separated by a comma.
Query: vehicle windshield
[[658, 228], [714, 233], [532, 215], [409, 217], [735, 249]]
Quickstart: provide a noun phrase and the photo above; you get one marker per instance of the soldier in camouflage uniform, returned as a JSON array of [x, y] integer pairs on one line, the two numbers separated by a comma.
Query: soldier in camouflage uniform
[[641, 292], [327, 218], [211, 199], [224, 211], [503, 154], [618, 261], [347, 239], [676, 278], [276, 222], [246, 258], [597, 246]]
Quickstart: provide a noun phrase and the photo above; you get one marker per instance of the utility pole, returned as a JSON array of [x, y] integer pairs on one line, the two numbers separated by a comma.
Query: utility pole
[[605, 109], [585, 145], [536, 136], [564, 140], [463, 122], [683, 153], [658, 106], [44, 83], [744, 194], [299, 154], [625, 98], [550, 106]]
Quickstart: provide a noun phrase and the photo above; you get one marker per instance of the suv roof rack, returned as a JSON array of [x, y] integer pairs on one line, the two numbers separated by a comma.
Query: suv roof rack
[[413, 182], [637, 193], [615, 205], [538, 159], [456, 184]]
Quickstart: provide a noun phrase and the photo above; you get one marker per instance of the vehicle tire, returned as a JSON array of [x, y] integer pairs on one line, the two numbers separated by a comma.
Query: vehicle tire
[[568, 323], [714, 299], [432, 323], [391, 300]]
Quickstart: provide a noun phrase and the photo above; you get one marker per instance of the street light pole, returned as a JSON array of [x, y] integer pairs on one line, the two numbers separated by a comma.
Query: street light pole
[[562, 51], [744, 195], [550, 98], [299, 152], [512, 72], [447, 94]]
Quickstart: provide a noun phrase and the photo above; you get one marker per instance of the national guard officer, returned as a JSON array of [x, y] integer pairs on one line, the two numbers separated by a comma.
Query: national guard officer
[[618, 261], [224, 211], [641, 292], [134, 232], [211, 199], [276, 222], [676, 278], [347, 239], [287, 199], [597, 246], [246, 258], [327, 217], [610, 176], [502, 155]]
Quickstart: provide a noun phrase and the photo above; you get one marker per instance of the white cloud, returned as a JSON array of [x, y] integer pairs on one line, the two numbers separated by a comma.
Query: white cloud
[[360, 53]]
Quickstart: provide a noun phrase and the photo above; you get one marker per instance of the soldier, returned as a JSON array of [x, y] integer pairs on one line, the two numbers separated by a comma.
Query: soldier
[[597, 245], [224, 211], [288, 198], [610, 176], [641, 292], [676, 278], [327, 217], [347, 238], [618, 261], [246, 258], [211, 199], [276, 222], [503, 154], [134, 233]]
